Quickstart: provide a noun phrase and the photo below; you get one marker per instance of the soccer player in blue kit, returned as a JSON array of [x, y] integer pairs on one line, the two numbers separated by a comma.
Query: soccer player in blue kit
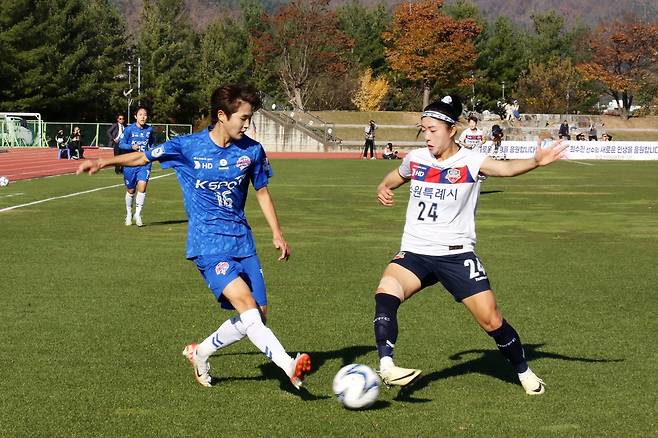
[[137, 137], [214, 168]]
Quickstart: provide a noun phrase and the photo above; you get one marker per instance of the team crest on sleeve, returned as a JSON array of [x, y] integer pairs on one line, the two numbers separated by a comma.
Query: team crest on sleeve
[[243, 162], [221, 268], [453, 175], [157, 152]]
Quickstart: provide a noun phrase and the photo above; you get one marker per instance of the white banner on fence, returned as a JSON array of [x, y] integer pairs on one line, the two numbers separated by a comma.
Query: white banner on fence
[[583, 150]]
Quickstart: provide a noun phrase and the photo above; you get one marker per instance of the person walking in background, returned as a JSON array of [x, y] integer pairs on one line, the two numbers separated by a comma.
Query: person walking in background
[[137, 137], [76, 144], [438, 243], [370, 129], [214, 168], [114, 134], [591, 133], [563, 133]]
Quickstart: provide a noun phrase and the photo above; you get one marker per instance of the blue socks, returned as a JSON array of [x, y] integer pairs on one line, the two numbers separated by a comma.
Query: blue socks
[[386, 323], [509, 343]]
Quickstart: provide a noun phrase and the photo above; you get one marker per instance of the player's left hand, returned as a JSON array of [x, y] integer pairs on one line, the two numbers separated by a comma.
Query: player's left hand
[[546, 155], [282, 245]]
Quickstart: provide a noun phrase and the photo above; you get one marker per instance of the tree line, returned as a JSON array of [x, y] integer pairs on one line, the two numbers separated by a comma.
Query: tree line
[[67, 59]]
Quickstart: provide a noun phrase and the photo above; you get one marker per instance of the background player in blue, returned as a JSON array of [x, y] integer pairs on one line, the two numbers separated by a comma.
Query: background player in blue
[[137, 137], [214, 168]]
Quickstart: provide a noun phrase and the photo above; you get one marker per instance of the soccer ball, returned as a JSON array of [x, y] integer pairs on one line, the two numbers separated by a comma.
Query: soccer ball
[[356, 386], [3, 181]]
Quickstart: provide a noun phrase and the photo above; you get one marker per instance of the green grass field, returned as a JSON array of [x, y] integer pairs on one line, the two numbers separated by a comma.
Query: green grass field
[[95, 314]]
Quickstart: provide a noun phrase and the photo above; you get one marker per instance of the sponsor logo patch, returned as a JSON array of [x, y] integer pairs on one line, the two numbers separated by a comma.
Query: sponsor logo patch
[[221, 268], [399, 255], [157, 152], [453, 175], [243, 162]]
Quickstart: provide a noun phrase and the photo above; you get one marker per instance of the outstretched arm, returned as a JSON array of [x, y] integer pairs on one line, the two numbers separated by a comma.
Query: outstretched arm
[[543, 157], [385, 188], [267, 206], [128, 160]]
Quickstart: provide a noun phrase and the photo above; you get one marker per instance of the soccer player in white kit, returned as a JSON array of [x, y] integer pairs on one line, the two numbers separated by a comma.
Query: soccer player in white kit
[[472, 137], [438, 242]]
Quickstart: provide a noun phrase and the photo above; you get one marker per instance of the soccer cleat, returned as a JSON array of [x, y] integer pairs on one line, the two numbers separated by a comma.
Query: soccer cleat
[[302, 367], [533, 385], [138, 220], [399, 376], [129, 220], [201, 368]]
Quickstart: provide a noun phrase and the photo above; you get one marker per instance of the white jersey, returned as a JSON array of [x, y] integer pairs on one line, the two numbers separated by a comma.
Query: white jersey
[[443, 198], [470, 138]]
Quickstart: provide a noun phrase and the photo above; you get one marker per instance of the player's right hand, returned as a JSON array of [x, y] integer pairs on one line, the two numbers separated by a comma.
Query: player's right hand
[[385, 196], [88, 166]]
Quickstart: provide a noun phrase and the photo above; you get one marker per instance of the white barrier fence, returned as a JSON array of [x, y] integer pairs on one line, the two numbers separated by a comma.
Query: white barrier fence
[[582, 150]]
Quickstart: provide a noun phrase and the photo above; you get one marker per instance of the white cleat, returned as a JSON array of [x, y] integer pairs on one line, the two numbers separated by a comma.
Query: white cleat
[[138, 220], [302, 367], [398, 376], [533, 385], [201, 368], [128, 220]]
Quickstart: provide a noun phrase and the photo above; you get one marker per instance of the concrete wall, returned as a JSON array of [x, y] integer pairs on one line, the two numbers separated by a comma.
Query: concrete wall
[[284, 136]]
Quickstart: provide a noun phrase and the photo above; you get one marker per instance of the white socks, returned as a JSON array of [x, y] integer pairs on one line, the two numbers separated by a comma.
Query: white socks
[[232, 330], [139, 203], [263, 338], [385, 363], [247, 324], [129, 204]]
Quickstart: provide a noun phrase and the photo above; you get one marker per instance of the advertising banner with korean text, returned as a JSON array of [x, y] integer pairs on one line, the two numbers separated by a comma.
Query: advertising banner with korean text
[[581, 150]]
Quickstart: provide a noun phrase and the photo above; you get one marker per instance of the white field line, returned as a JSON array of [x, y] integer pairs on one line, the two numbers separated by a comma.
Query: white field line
[[70, 195], [580, 162]]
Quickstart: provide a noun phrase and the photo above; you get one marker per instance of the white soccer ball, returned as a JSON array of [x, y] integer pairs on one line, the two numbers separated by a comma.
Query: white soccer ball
[[3, 181], [356, 386]]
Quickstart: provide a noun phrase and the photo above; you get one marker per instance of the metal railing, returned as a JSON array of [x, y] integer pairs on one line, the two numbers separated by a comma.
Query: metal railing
[[93, 134]]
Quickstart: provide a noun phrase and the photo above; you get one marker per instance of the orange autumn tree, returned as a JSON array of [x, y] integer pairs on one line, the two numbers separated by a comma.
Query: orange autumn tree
[[428, 46], [623, 55]]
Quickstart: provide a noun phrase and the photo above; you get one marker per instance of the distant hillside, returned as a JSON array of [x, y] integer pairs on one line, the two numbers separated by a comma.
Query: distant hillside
[[588, 12]]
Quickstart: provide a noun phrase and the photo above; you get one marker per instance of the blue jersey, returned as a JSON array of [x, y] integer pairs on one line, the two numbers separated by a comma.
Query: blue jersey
[[134, 135], [215, 182]]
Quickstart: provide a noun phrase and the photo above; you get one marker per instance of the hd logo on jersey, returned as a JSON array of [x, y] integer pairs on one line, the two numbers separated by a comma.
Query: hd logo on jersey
[[243, 162], [221, 268], [453, 175], [200, 165]]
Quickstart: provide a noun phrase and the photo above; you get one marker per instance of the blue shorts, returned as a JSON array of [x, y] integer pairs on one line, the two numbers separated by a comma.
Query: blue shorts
[[218, 271], [131, 175], [461, 274]]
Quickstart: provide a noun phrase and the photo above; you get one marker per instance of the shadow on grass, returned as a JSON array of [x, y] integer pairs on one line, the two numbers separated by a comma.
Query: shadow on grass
[[270, 371], [489, 192], [487, 362], [169, 222]]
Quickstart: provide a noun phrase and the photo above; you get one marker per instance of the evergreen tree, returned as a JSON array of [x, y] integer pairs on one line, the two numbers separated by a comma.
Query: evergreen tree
[[56, 58], [365, 27], [166, 45], [502, 58], [225, 56]]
